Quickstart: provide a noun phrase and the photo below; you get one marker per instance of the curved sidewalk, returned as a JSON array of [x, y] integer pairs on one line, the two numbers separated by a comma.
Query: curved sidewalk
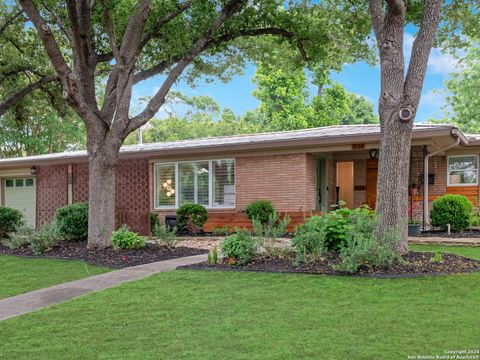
[[38, 299]]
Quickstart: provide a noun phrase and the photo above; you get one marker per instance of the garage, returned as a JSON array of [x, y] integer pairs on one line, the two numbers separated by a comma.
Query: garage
[[19, 193]]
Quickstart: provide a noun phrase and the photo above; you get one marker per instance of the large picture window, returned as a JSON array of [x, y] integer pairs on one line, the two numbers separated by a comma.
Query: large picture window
[[210, 183], [463, 170]]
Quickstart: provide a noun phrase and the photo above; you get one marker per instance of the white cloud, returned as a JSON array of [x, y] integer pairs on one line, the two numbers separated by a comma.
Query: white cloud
[[439, 63], [433, 99]]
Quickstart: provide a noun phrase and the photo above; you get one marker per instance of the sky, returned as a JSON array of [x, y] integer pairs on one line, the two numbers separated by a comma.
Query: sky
[[359, 78]]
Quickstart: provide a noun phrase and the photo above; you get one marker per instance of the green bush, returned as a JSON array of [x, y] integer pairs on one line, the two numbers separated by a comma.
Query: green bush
[[20, 238], [44, 238], [72, 221], [154, 221], [363, 249], [455, 210], [273, 228], [223, 231], [240, 247], [10, 221], [167, 235], [310, 240], [260, 210], [191, 217], [125, 239]]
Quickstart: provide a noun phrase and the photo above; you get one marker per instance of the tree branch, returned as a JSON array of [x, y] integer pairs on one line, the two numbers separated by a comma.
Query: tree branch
[[165, 20], [377, 15], [159, 98], [111, 33], [13, 99], [57, 21], [422, 46], [51, 46], [10, 21]]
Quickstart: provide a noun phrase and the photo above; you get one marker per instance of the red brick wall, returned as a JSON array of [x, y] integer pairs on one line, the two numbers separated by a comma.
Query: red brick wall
[[283, 179], [51, 191], [79, 182]]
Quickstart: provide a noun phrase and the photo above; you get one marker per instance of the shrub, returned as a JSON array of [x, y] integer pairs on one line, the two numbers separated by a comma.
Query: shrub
[[72, 221], [191, 217], [19, 238], [10, 220], [455, 210], [260, 210], [44, 238], [165, 234], [240, 247], [273, 228], [310, 239], [212, 258], [125, 239], [223, 231], [154, 221], [363, 249]]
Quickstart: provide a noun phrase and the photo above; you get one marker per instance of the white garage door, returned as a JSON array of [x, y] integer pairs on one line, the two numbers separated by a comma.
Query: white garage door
[[20, 195]]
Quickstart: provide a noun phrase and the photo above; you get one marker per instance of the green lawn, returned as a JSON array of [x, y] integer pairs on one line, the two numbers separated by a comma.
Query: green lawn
[[227, 315], [19, 275]]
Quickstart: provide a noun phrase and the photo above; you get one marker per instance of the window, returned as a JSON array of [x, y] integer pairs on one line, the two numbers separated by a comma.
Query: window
[[18, 182], [193, 183], [463, 170], [29, 182], [165, 185], [9, 183], [223, 183], [210, 183]]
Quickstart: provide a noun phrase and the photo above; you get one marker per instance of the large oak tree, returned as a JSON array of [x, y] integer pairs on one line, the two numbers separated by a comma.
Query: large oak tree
[[98, 51]]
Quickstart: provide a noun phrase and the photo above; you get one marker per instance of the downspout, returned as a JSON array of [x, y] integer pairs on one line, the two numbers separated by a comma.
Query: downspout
[[426, 215]]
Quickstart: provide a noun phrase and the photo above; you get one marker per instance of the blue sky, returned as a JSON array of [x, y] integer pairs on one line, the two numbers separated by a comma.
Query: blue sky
[[359, 78]]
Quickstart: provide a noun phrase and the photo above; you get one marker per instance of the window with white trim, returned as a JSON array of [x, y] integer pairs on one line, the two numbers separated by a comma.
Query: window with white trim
[[210, 183], [165, 185], [463, 170]]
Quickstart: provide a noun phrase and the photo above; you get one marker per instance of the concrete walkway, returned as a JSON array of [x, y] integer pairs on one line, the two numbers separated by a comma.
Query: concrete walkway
[[38, 299], [444, 241]]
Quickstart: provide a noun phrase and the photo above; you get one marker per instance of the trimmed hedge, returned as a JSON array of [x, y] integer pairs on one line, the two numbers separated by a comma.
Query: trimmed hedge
[[191, 217], [455, 210], [10, 220], [260, 210], [72, 221]]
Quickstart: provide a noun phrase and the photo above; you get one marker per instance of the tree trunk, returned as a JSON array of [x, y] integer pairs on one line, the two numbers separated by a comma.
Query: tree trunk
[[101, 197], [392, 183]]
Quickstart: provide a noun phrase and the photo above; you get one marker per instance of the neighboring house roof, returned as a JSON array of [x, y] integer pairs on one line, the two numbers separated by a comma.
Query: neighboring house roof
[[337, 134]]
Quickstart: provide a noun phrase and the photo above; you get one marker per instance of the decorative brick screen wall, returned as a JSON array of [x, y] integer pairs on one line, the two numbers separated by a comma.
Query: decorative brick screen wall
[[51, 191], [132, 193]]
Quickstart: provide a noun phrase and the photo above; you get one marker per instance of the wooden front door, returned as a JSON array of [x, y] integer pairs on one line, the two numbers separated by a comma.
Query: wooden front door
[[371, 182]]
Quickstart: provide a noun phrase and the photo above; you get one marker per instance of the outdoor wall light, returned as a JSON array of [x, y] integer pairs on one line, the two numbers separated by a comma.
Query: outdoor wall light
[[33, 171], [373, 153]]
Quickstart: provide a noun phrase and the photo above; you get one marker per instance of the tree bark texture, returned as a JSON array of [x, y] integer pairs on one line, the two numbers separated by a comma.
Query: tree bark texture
[[398, 92]]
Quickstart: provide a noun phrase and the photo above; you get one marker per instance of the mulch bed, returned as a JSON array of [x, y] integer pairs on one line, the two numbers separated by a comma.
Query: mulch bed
[[108, 257], [473, 233], [413, 264]]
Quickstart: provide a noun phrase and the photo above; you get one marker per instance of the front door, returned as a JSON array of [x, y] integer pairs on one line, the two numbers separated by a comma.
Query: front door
[[345, 182], [371, 182]]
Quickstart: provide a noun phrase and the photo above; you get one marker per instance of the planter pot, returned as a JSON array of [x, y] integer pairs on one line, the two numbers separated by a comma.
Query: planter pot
[[413, 229]]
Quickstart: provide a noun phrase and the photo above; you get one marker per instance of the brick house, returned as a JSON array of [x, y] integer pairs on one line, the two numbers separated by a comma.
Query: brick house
[[301, 172]]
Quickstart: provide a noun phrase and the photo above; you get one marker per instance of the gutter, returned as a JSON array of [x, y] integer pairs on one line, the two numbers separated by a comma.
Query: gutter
[[460, 138]]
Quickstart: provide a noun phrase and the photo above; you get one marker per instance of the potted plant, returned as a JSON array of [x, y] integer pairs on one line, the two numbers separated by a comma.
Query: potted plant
[[413, 228], [413, 190]]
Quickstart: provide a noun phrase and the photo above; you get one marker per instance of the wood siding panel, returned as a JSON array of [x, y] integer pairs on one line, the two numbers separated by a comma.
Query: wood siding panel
[[471, 192]]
